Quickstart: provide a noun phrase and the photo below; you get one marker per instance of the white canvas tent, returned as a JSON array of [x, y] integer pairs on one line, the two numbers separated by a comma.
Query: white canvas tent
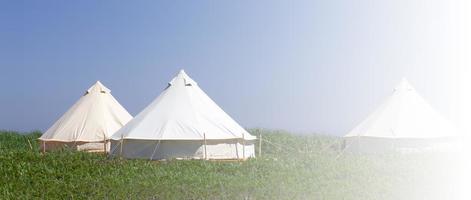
[[89, 123], [404, 122], [183, 123]]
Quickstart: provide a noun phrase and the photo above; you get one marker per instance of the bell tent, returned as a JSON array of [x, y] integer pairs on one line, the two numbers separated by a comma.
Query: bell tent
[[88, 124], [183, 123], [405, 122]]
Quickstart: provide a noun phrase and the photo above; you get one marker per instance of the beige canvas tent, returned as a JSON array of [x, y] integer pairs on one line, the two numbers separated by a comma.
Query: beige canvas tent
[[404, 122], [88, 124], [183, 123]]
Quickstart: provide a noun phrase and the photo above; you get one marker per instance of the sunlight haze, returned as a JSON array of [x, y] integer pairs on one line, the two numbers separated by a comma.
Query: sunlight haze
[[304, 66]]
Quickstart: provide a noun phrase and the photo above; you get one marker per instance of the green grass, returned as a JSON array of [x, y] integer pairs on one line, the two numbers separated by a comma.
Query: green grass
[[291, 167]]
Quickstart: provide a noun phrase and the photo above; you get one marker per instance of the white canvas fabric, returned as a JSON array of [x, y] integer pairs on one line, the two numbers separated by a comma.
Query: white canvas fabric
[[182, 112], [183, 149], [92, 119], [404, 117]]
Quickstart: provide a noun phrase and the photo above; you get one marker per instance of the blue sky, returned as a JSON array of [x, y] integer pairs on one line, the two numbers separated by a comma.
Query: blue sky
[[307, 66]]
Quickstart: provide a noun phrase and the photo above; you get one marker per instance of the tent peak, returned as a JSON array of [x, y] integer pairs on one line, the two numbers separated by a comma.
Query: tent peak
[[404, 85], [98, 87], [182, 78]]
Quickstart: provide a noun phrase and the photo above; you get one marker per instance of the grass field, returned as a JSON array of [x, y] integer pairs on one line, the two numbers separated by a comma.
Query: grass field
[[291, 167]]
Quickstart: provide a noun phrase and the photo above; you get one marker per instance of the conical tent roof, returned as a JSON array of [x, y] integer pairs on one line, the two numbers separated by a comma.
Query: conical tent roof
[[405, 114], [93, 118], [182, 112]]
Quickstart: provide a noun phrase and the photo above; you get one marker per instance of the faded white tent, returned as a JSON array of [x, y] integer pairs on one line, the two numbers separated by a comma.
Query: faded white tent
[[183, 123], [405, 122], [88, 124]]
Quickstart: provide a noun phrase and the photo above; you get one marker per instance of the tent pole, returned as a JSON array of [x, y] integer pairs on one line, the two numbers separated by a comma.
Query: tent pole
[[121, 147], [260, 145], [358, 143], [243, 146], [155, 149], [205, 152], [104, 146], [44, 147], [237, 149], [394, 140]]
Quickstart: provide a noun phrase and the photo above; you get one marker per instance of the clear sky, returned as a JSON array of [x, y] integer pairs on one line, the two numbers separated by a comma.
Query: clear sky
[[306, 66]]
